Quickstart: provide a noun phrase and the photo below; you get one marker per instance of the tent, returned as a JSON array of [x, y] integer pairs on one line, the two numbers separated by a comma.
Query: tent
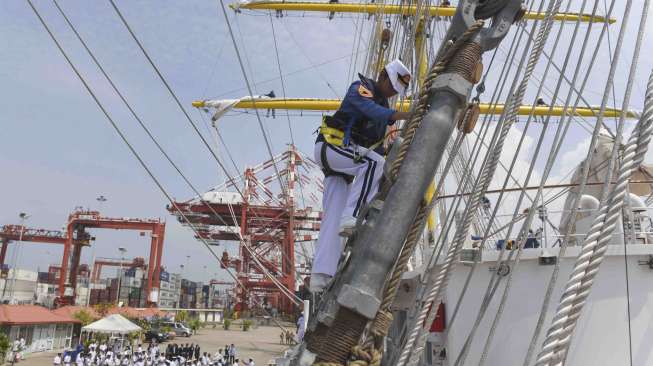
[[113, 324]]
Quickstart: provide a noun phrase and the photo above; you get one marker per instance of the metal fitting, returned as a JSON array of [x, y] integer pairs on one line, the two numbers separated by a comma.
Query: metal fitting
[[361, 302], [454, 84], [327, 314]]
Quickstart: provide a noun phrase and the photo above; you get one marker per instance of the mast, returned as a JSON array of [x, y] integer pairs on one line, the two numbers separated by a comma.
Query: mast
[[372, 8]]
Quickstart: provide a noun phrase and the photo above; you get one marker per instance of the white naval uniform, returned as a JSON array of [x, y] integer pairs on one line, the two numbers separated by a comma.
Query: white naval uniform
[[341, 200]]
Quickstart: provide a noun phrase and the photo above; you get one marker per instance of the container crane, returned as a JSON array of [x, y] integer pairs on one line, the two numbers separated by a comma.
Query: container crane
[[270, 224], [81, 220], [137, 262], [10, 233]]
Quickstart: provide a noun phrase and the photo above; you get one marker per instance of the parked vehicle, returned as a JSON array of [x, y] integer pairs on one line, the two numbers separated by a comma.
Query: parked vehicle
[[156, 334], [179, 328]]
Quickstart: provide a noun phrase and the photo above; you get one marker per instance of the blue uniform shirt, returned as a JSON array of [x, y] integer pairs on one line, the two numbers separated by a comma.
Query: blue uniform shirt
[[366, 112]]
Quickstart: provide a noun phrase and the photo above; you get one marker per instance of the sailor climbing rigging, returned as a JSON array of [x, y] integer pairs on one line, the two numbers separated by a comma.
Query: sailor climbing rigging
[[349, 149]]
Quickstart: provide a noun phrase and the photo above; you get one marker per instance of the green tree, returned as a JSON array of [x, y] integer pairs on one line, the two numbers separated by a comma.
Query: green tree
[[247, 324], [181, 316], [194, 325], [4, 346], [83, 316], [103, 308], [226, 323]]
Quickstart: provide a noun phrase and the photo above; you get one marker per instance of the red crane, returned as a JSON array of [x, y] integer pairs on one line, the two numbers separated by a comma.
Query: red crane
[[11, 233], [270, 224], [79, 222], [137, 262]]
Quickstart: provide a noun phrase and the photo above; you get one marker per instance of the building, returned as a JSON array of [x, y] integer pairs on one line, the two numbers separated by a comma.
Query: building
[[19, 286], [42, 329], [191, 294], [170, 290], [132, 291], [45, 294]]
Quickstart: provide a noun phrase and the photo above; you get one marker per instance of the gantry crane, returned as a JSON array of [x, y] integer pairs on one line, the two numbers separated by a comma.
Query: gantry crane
[[270, 225], [137, 262], [81, 220], [21, 233]]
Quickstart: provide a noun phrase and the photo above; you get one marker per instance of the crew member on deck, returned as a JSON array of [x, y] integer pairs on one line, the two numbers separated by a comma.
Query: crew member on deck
[[349, 149]]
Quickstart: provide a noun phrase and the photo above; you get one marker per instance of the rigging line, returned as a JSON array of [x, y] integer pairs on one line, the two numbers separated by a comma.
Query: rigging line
[[548, 93], [440, 244], [627, 280], [249, 89], [215, 138], [557, 142], [283, 90], [172, 93], [540, 141], [585, 172], [353, 46], [226, 148], [120, 133], [129, 107], [437, 249], [518, 88], [495, 278], [582, 98], [299, 46], [283, 84], [475, 151], [248, 64], [215, 65], [614, 93], [297, 71], [618, 138], [294, 298]]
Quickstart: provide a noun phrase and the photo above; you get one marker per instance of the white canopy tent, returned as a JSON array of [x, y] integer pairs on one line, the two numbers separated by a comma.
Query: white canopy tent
[[112, 324]]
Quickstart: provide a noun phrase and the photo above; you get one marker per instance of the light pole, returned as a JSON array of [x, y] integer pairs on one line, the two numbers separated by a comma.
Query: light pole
[[16, 256], [122, 250], [101, 199], [181, 290]]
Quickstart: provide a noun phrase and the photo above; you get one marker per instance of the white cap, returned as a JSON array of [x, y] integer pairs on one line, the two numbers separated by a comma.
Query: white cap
[[399, 75]]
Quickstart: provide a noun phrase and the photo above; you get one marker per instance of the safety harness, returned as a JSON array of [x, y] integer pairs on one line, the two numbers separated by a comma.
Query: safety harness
[[333, 132], [326, 169], [340, 130]]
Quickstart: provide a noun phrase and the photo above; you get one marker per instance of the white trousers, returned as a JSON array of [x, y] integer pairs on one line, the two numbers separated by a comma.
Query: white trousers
[[342, 200]]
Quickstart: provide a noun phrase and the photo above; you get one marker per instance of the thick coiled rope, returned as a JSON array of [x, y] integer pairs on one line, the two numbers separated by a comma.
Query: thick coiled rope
[[586, 267], [422, 107], [365, 354], [414, 344]]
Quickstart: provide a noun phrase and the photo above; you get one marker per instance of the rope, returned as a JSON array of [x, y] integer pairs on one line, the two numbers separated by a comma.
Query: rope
[[558, 140], [422, 107], [409, 356], [601, 242], [587, 264], [581, 187], [119, 131], [367, 353]]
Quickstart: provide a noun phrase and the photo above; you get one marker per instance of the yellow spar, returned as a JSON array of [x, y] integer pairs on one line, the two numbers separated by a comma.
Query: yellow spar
[[334, 104], [371, 8]]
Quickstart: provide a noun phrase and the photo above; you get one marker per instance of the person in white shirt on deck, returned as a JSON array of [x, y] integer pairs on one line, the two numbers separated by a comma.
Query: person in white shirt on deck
[[67, 360], [57, 360]]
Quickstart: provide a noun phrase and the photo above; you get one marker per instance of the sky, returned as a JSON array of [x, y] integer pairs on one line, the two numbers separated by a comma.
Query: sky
[[58, 152]]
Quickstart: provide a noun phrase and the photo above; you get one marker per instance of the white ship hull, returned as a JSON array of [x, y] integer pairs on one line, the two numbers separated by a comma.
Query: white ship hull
[[602, 337]]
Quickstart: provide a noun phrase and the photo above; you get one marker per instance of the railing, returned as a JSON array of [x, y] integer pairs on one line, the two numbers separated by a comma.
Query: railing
[[636, 228]]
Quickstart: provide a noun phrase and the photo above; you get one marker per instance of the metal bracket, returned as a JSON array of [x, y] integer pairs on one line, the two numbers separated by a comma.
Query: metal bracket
[[490, 37], [648, 262], [503, 269]]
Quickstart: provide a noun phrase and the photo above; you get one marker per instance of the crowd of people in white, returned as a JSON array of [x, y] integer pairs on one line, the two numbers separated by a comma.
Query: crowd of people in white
[[115, 354]]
